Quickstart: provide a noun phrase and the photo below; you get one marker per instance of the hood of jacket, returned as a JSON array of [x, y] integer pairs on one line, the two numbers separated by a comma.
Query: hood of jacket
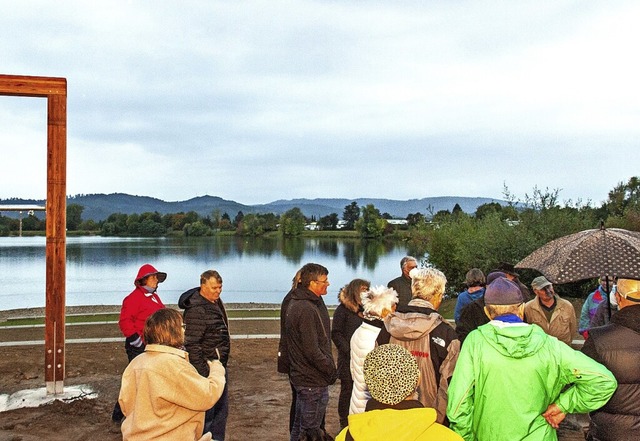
[[388, 424], [477, 294], [304, 294], [515, 340], [147, 270], [347, 301], [411, 325], [628, 317], [191, 298]]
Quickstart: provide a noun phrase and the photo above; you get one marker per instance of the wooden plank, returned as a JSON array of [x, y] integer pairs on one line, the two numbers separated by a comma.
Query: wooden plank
[[21, 85], [56, 243]]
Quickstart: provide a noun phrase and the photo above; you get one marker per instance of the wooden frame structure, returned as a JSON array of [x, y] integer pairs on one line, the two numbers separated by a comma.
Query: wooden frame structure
[[55, 91]]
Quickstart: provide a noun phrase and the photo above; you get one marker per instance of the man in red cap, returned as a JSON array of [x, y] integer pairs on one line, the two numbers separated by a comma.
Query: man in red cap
[[136, 308]]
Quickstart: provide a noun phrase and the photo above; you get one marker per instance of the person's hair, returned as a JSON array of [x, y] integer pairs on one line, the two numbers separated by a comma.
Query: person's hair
[[427, 283], [377, 300], [164, 327], [208, 274], [311, 271], [407, 259], [296, 280], [349, 295], [474, 277], [494, 311]]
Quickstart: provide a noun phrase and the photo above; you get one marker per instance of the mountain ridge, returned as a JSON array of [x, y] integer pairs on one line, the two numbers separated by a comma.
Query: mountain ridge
[[99, 206]]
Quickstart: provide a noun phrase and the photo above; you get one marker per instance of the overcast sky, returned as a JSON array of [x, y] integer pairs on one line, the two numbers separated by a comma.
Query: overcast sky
[[256, 101]]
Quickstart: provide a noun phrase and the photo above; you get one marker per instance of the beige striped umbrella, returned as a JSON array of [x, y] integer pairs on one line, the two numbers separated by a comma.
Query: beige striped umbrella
[[611, 252]]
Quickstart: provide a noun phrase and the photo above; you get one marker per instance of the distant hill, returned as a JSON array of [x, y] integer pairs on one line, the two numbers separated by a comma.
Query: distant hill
[[99, 206]]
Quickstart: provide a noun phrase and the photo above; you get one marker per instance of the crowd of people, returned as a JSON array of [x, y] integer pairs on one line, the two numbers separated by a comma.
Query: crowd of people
[[505, 370]]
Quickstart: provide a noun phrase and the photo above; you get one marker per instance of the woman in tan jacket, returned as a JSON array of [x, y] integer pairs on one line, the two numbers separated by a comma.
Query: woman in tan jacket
[[162, 395]]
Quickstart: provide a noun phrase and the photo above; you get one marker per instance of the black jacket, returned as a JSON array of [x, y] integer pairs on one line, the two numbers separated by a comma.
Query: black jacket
[[617, 346], [471, 317], [308, 329], [402, 285], [345, 322], [207, 330], [283, 350]]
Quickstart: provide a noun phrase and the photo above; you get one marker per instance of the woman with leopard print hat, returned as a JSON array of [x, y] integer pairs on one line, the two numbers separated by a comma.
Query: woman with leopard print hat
[[392, 376]]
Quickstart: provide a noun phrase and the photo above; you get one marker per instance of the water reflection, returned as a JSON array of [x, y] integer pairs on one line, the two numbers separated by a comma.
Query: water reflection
[[101, 270]]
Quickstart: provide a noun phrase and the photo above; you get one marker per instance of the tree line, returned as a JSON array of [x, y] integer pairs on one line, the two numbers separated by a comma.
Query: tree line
[[454, 241]]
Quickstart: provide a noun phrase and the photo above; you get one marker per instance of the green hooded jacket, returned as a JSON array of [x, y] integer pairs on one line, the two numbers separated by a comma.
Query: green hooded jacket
[[509, 373]]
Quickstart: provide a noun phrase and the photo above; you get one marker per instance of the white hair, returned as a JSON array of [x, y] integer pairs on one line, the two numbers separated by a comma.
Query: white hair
[[427, 283], [378, 299]]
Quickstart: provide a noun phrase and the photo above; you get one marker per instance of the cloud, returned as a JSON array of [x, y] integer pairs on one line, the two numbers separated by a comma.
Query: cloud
[[260, 100]]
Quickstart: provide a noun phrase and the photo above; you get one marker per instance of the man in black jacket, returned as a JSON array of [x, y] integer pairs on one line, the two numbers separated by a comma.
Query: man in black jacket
[[207, 338], [308, 334], [402, 284], [617, 346]]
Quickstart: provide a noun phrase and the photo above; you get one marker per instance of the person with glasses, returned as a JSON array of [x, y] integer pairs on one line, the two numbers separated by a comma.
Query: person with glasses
[[308, 334]]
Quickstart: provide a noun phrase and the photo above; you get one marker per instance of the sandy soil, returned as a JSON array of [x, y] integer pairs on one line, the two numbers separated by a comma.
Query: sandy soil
[[259, 396]]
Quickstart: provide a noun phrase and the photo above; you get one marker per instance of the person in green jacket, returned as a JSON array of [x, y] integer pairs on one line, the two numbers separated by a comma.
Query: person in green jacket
[[514, 382]]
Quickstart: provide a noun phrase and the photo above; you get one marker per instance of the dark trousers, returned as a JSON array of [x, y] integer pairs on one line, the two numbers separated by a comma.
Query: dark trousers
[[215, 419], [292, 410], [311, 406], [344, 400]]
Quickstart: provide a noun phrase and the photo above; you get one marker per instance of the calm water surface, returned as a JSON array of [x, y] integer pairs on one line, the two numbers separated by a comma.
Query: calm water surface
[[100, 270]]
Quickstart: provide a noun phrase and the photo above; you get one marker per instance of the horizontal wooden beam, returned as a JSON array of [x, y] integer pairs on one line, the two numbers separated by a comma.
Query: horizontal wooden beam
[[19, 85]]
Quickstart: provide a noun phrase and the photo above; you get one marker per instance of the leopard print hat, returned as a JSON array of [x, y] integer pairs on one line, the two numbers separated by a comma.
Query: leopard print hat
[[390, 373]]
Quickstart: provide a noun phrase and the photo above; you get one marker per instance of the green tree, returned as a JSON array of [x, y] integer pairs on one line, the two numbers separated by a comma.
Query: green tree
[[486, 209], [196, 229], [415, 219], [251, 225], [329, 222], [351, 215], [371, 225], [150, 227], [623, 205], [74, 216], [238, 218], [292, 222]]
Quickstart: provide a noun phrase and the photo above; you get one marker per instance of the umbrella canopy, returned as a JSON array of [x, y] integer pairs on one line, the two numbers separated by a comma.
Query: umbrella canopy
[[611, 252]]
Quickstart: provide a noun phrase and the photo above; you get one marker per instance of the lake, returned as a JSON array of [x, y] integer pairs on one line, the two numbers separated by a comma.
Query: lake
[[100, 270]]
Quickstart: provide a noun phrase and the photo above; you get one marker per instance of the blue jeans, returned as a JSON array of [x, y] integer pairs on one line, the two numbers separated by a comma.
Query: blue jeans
[[215, 419], [311, 405]]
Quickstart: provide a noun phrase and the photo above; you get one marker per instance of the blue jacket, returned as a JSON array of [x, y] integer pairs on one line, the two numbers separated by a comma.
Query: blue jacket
[[464, 298]]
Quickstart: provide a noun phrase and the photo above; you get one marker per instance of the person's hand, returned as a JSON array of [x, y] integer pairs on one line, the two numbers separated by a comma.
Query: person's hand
[[216, 368], [135, 340], [554, 415]]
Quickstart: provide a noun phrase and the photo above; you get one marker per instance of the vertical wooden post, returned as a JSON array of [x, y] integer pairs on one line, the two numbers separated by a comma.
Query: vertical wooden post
[[55, 91], [56, 243]]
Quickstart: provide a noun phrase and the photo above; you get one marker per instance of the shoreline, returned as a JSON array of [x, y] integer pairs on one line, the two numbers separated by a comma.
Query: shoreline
[[111, 309]]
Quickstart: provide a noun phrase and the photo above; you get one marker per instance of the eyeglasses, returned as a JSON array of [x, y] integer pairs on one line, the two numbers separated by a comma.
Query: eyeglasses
[[326, 282]]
